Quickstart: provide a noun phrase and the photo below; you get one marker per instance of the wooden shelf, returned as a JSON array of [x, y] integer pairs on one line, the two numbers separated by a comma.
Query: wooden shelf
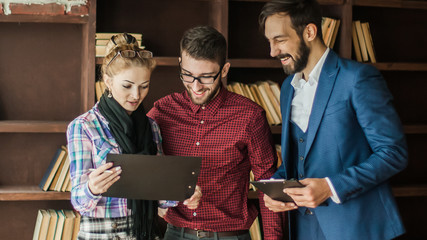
[[408, 129], [254, 63], [30, 193], [392, 3], [11, 126], [161, 61], [395, 66], [44, 19], [398, 191], [323, 2]]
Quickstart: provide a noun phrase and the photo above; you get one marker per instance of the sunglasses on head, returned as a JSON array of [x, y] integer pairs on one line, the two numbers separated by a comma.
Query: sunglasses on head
[[131, 54]]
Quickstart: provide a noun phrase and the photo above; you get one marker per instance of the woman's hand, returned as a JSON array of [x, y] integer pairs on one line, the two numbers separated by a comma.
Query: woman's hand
[[193, 201], [103, 177]]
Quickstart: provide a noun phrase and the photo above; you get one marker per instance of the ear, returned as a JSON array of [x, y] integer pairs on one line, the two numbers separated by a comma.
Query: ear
[[310, 32], [225, 69], [107, 81]]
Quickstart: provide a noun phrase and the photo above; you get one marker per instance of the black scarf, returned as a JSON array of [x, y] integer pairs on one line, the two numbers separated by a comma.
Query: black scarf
[[133, 134]]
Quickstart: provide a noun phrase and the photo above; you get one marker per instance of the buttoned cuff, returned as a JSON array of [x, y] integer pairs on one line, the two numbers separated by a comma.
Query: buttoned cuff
[[334, 196]]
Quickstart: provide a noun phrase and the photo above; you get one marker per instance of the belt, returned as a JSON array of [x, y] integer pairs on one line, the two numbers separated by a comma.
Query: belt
[[207, 234]]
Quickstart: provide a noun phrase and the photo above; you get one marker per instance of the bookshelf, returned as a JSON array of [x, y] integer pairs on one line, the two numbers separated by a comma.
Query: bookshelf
[[46, 73], [397, 39]]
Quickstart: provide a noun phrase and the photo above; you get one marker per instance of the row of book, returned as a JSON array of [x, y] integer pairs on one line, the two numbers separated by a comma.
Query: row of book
[[57, 175], [330, 30], [362, 42], [264, 93], [56, 225], [102, 39]]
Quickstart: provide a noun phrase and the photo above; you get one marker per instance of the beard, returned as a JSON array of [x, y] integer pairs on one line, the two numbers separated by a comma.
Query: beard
[[300, 62], [210, 95]]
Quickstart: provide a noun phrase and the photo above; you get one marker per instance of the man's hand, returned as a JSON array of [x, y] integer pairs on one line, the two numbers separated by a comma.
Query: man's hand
[[278, 206], [315, 192], [193, 201]]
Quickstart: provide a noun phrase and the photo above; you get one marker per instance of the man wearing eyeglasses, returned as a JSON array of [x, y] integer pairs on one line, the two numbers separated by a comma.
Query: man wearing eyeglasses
[[229, 132]]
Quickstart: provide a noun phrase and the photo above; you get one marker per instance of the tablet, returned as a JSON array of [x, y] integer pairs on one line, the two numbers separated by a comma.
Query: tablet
[[152, 177], [274, 188]]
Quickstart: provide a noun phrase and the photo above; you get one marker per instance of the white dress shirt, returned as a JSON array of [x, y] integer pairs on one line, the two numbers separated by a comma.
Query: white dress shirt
[[302, 103]]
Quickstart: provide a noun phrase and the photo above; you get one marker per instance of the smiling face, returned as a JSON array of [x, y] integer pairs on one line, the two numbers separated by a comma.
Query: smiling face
[[201, 94], [285, 44], [129, 87]]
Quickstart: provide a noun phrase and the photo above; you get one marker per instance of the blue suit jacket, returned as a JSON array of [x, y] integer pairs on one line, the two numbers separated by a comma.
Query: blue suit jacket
[[355, 138]]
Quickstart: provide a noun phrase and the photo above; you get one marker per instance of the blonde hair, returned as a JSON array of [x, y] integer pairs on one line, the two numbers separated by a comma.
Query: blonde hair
[[120, 42]]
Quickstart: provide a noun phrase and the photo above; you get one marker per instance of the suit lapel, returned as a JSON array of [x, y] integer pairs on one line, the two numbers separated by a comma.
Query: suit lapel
[[286, 96], [323, 92]]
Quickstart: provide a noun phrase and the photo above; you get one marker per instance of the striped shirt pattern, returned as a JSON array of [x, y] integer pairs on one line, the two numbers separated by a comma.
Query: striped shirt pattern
[[89, 142]]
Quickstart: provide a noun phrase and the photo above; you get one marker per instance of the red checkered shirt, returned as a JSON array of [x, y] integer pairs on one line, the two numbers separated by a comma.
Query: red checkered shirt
[[232, 136]]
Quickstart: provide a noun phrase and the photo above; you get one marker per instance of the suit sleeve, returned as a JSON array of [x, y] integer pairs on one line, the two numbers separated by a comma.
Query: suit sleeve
[[263, 158], [372, 103]]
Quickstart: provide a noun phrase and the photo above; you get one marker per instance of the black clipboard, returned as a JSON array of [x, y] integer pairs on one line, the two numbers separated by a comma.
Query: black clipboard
[[152, 177], [274, 188]]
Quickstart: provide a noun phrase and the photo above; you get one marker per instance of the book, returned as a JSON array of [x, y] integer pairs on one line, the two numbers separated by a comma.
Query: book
[[98, 90], [42, 222], [44, 226], [66, 182], [248, 92], [273, 99], [274, 86], [255, 230], [255, 91], [67, 232], [368, 40], [362, 42], [51, 170], [100, 50], [108, 36], [279, 154], [76, 227], [59, 225], [65, 169], [325, 25], [356, 45], [52, 224], [268, 104], [335, 33], [104, 42], [329, 32], [58, 171]]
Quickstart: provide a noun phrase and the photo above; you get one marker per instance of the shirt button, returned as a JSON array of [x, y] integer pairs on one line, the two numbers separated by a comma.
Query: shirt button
[[194, 214], [301, 158], [203, 107], [114, 225], [301, 140], [197, 143], [201, 122]]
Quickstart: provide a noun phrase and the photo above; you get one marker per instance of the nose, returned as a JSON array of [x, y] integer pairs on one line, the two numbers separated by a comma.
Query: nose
[[135, 93], [274, 51], [196, 86]]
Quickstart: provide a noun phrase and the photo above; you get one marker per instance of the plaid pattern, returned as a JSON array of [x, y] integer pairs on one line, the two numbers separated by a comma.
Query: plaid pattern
[[104, 228], [89, 142], [232, 136]]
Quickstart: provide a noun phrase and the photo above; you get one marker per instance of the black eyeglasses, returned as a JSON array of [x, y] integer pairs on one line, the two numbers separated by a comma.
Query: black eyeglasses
[[202, 80], [131, 54]]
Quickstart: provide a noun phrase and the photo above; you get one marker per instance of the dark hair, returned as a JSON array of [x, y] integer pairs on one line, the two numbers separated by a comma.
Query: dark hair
[[301, 12], [204, 42]]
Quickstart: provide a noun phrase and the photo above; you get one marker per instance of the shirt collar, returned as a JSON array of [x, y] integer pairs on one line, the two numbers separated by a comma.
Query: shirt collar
[[314, 74], [213, 105]]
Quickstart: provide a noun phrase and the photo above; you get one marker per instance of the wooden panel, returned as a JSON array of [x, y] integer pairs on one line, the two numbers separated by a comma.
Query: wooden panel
[[19, 218], [26, 156], [33, 126], [162, 23], [44, 19], [412, 210], [40, 71], [164, 81], [30, 193], [392, 3], [401, 66]]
